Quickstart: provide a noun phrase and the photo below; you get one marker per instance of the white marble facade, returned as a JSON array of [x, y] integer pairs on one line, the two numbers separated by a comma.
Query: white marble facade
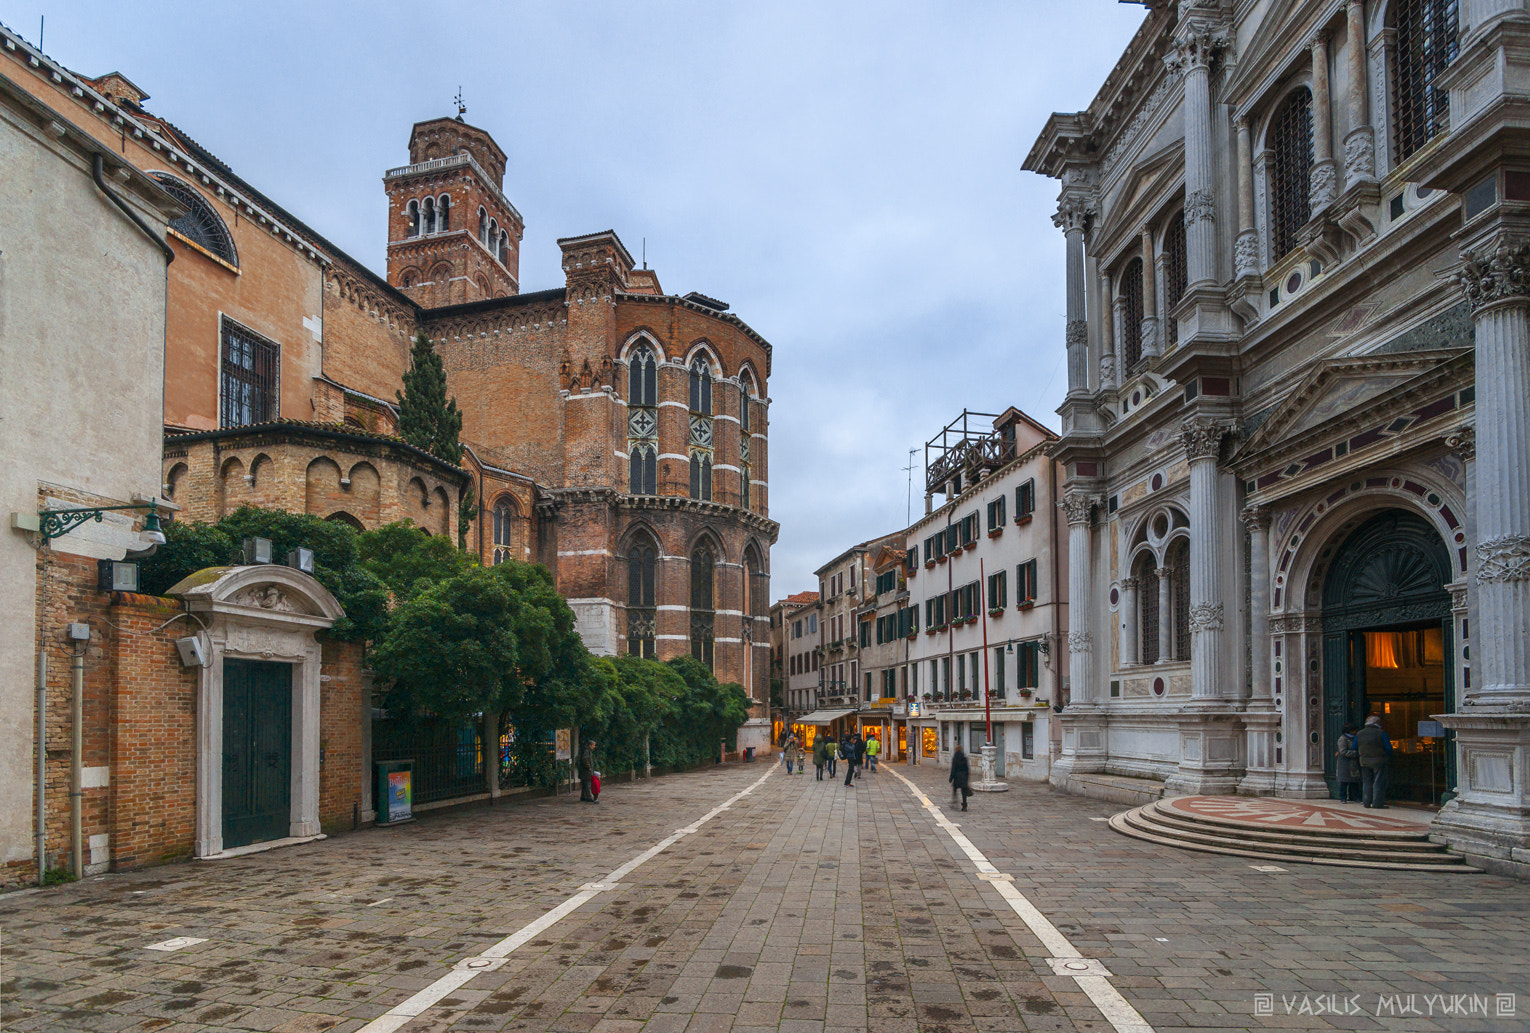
[[1290, 297]]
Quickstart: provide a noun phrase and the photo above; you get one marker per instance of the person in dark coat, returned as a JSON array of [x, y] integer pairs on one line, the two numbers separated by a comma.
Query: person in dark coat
[[586, 771], [821, 750], [1347, 770], [960, 775], [860, 755], [851, 761], [1375, 749]]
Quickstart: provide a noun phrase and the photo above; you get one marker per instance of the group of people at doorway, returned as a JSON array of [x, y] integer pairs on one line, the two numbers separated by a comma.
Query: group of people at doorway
[[1364, 755], [859, 754]]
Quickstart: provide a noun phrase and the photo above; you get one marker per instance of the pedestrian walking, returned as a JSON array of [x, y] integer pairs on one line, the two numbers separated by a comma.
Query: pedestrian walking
[[820, 754], [850, 754], [960, 775], [832, 745], [1375, 749], [860, 755], [799, 756], [586, 771], [873, 750], [1348, 765], [789, 753]]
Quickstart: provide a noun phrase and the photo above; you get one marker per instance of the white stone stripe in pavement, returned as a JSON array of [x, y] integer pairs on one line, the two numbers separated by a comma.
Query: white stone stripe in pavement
[[1107, 998], [396, 1017]]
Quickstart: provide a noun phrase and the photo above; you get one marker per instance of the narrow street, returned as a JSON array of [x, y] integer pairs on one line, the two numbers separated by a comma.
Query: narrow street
[[800, 906]]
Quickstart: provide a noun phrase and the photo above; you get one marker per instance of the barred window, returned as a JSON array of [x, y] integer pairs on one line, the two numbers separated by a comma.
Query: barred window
[[703, 617], [643, 470], [1179, 592], [701, 387], [249, 378], [701, 476], [1291, 202], [1147, 609], [1426, 43], [1131, 314], [200, 225], [1176, 275], [642, 562]]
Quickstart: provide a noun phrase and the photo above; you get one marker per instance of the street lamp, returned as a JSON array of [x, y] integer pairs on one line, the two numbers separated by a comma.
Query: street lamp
[[55, 523]]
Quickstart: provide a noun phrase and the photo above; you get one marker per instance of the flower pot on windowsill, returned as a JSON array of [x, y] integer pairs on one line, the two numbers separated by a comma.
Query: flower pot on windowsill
[[1026, 605], [912, 635], [1023, 518], [1025, 694], [997, 611], [940, 559], [912, 571], [996, 532], [970, 545]]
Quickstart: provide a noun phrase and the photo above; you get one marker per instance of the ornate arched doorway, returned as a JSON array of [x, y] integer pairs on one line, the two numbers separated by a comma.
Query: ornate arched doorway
[[1387, 648]]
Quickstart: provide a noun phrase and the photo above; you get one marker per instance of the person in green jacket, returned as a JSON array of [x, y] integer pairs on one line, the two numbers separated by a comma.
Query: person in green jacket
[[873, 750]]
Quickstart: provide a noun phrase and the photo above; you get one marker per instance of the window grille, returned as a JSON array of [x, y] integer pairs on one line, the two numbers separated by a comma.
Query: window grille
[[200, 225], [1291, 200], [642, 615], [642, 423], [703, 617], [643, 470], [701, 476], [1147, 607], [1179, 592], [1131, 314], [1425, 44], [1176, 275], [250, 366], [501, 533]]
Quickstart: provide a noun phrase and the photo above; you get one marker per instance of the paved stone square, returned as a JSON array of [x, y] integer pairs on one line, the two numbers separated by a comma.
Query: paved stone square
[[804, 907]]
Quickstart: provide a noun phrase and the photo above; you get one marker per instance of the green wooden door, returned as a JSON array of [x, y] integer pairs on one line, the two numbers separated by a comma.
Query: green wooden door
[[257, 752]]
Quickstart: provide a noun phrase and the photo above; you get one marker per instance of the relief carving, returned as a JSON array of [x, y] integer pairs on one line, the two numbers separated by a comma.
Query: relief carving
[[267, 642], [267, 597], [1080, 642], [1200, 204], [1206, 617], [1246, 254], [1077, 332], [1494, 274], [1506, 558]]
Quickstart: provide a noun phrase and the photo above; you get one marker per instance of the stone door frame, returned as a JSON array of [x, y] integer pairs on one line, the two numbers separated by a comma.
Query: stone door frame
[[264, 612]]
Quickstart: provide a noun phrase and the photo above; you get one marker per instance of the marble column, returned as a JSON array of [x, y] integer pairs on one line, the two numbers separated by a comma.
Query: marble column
[[1203, 443], [1194, 50], [1257, 520], [1246, 250], [1489, 821], [1496, 282], [1072, 214], [1324, 176], [1360, 141], [1079, 505], [1107, 339], [1165, 614], [1149, 298], [1129, 622]]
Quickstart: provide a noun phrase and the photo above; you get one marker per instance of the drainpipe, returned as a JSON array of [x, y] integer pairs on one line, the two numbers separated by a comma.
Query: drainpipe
[[97, 167], [76, 756], [42, 765]]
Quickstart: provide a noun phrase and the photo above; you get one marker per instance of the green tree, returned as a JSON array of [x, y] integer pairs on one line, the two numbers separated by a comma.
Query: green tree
[[426, 418], [408, 560], [467, 512]]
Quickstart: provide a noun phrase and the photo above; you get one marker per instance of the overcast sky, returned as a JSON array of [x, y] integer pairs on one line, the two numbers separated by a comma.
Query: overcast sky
[[846, 175]]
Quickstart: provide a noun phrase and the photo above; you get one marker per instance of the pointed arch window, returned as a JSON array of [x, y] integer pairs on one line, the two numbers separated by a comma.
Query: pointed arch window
[[200, 225], [430, 215], [502, 529], [703, 614], [1176, 275], [701, 441], [745, 442], [1147, 608], [1426, 42], [701, 387], [642, 613], [444, 213], [642, 422], [1178, 560], [1131, 313], [1291, 188]]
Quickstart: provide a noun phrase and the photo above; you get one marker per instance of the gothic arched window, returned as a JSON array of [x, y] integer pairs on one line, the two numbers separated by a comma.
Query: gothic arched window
[[444, 213], [1131, 314], [414, 218], [701, 476], [502, 527], [1178, 560], [642, 422], [1291, 189], [430, 214], [1426, 42], [701, 387], [483, 227], [642, 377], [1176, 275], [504, 246], [701, 441], [642, 566], [745, 442], [703, 616], [200, 225]]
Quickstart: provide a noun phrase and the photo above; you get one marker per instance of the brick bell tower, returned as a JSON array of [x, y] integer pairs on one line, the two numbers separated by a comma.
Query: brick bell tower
[[453, 236]]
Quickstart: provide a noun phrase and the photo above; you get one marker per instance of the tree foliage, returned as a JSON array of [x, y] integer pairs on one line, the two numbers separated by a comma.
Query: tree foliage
[[426, 417]]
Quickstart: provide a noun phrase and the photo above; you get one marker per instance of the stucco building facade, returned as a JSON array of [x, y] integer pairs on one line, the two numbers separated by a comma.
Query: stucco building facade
[[1295, 250]]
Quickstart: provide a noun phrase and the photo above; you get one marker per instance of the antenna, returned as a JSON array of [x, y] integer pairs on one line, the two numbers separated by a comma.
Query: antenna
[[908, 513], [645, 252], [461, 107], [42, 23]]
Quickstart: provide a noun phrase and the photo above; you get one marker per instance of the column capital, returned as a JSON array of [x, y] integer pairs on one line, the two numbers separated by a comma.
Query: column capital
[[1164, 573], [1129, 584], [1496, 273], [1256, 518], [1319, 41], [1203, 436], [1078, 504], [1196, 46], [1463, 441], [1073, 212]]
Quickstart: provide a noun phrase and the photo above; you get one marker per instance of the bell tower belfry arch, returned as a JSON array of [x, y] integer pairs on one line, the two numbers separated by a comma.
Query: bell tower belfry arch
[[453, 235]]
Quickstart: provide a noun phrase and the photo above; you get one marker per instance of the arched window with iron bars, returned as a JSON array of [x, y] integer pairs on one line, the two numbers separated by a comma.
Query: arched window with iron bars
[[642, 612], [703, 613], [1131, 313], [1175, 275], [1425, 42], [1147, 608], [502, 531], [642, 422], [1178, 560], [1291, 185]]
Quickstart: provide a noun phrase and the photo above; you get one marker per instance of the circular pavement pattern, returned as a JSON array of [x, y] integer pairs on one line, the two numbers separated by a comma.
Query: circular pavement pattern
[[1261, 812]]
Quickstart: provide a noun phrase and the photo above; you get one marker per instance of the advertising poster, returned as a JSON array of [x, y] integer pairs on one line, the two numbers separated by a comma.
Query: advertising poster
[[563, 744], [398, 795]]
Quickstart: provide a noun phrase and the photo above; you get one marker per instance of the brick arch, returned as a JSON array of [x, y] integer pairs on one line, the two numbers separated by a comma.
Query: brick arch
[[705, 348], [365, 493], [409, 276], [708, 535], [233, 489], [750, 379], [321, 486], [263, 487], [174, 478], [642, 335], [342, 517], [417, 503], [441, 511]]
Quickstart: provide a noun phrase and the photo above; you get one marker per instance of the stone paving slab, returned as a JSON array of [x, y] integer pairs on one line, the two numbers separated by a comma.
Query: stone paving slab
[[806, 907]]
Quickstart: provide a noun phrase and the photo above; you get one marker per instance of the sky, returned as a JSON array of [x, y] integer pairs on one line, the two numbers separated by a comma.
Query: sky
[[844, 173]]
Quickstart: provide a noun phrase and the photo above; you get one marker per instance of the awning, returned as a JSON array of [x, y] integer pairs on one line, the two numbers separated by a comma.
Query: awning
[[822, 717]]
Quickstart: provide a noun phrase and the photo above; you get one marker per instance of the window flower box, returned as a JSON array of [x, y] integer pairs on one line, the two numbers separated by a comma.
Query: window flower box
[[1023, 518], [1025, 604], [912, 635], [997, 611], [1026, 693], [940, 559], [912, 571], [970, 545], [996, 532]]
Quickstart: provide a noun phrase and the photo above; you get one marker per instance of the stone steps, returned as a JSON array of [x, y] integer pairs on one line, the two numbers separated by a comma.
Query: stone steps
[[1393, 849]]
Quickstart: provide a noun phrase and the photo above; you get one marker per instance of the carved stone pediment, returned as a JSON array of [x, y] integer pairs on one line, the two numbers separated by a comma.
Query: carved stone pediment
[[1340, 395]]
